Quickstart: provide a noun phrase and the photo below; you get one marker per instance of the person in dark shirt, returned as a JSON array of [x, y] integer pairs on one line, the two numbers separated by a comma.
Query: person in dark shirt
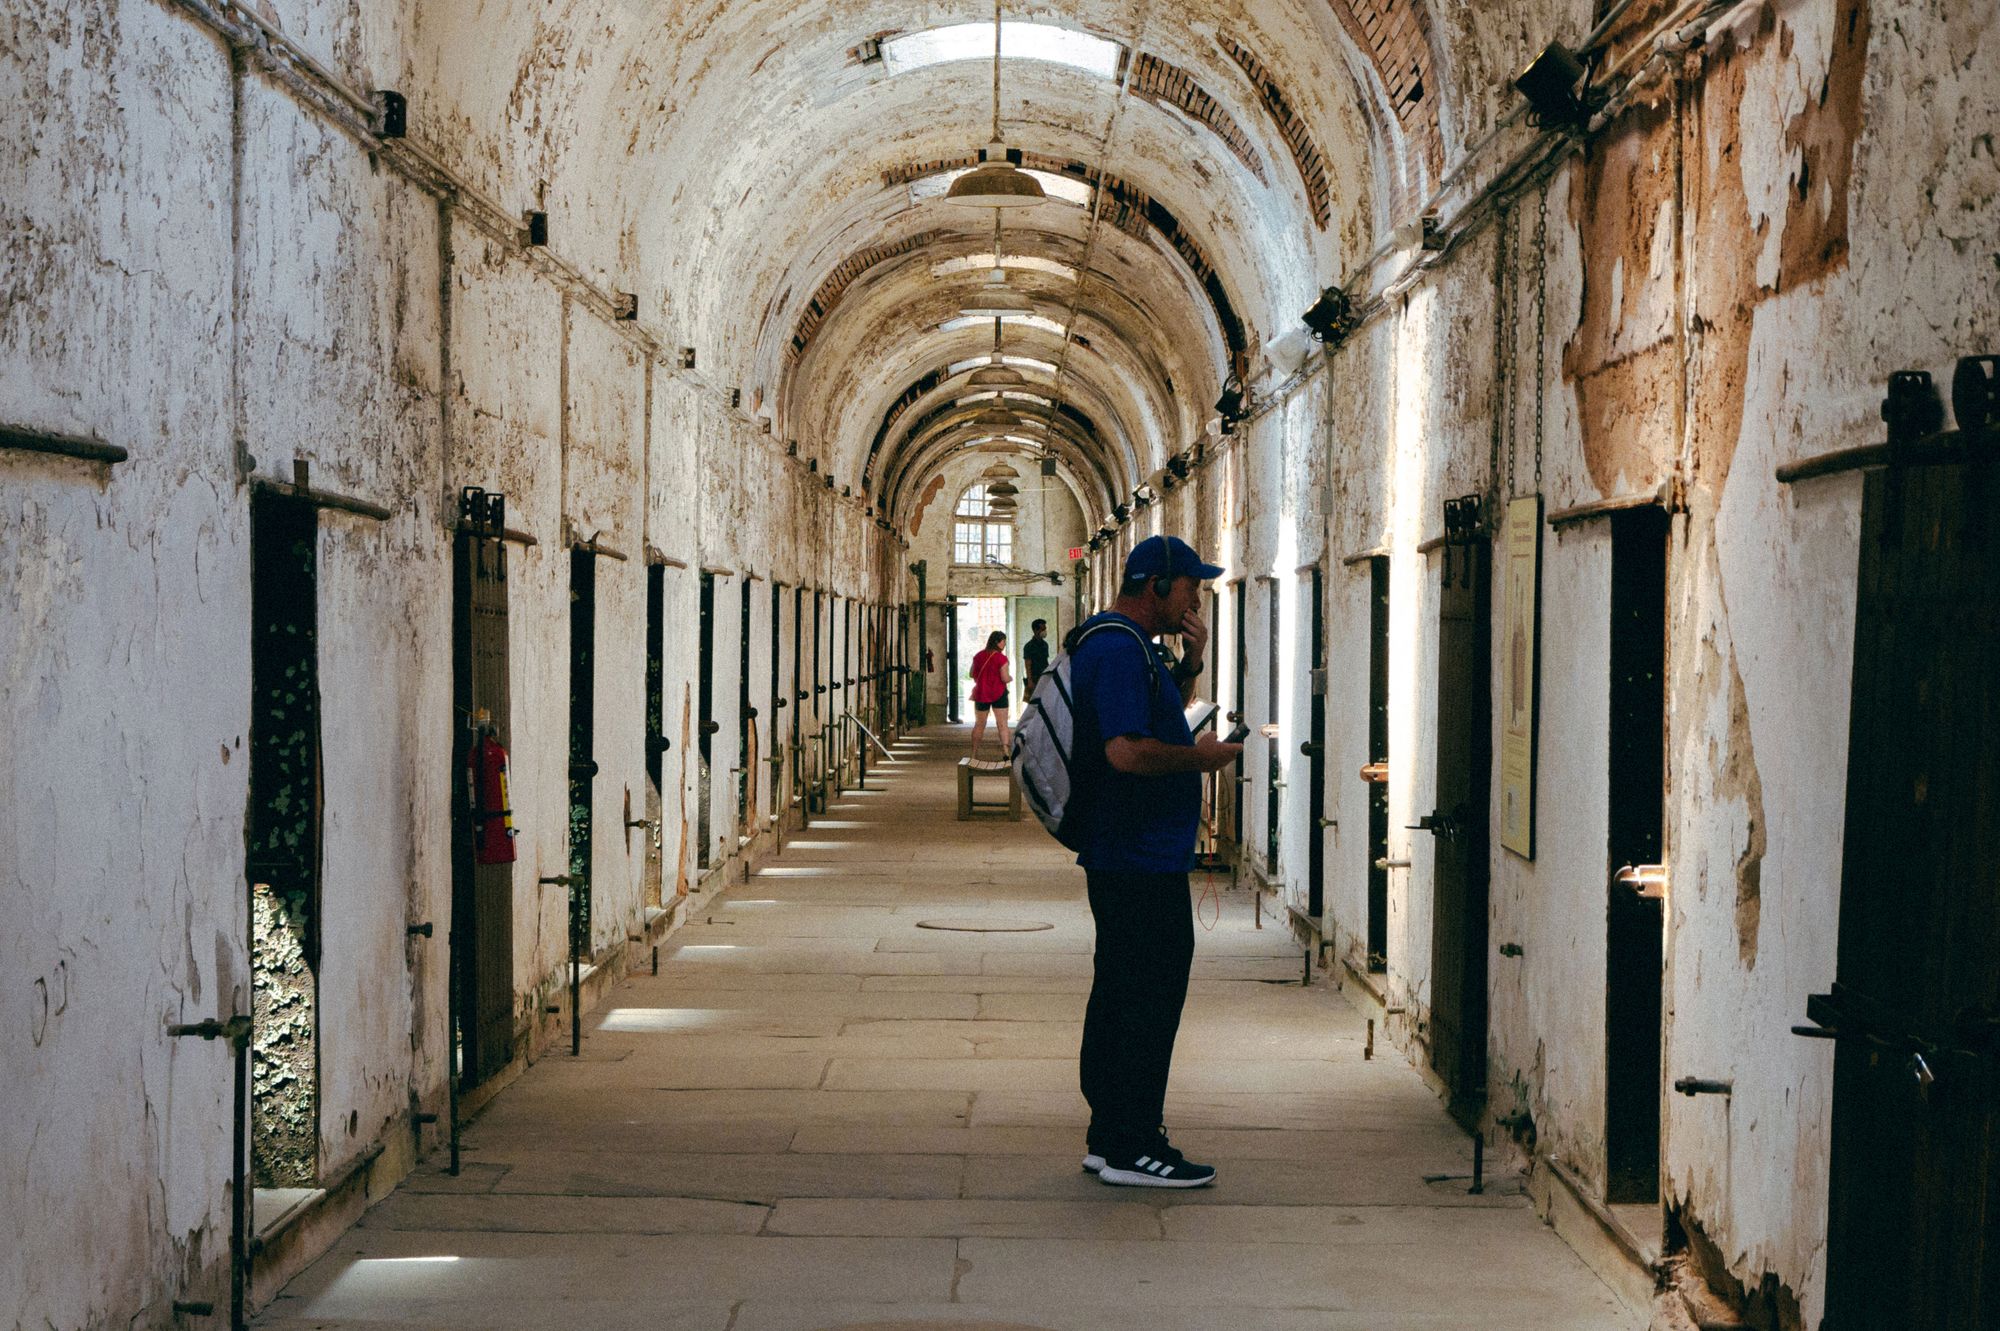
[[1036, 652], [1142, 769]]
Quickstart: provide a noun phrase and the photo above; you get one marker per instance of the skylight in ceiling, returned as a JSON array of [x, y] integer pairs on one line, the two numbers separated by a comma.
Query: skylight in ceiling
[[1018, 362], [1018, 41], [1060, 188], [1014, 394], [979, 263], [1043, 322]]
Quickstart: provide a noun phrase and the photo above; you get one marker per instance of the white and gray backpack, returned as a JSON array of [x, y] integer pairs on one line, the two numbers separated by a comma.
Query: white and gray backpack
[[1044, 740]]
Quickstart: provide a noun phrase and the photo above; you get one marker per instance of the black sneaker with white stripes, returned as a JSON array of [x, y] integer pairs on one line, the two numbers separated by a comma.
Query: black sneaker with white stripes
[[1156, 1165]]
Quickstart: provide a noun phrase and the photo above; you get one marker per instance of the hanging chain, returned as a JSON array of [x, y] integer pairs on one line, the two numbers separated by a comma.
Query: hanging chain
[[1495, 482], [1541, 319]]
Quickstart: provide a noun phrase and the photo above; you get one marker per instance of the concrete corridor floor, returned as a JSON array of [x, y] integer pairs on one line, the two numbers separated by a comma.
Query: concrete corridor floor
[[822, 1115]]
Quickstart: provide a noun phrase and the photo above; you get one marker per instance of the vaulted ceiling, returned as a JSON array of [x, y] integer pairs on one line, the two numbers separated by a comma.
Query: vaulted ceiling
[[768, 175]]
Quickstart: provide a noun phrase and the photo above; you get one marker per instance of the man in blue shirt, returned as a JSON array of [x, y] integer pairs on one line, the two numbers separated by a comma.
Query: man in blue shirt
[[1142, 770]]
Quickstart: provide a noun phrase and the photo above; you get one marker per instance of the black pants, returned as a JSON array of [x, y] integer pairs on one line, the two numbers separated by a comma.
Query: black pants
[[1145, 945]]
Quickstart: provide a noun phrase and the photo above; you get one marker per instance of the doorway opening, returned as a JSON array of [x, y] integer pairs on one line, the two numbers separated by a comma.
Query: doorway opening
[[1635, 918], [656, 738], [482, 924], [1315, 751], [582, 750], [1376, 773], [978, 616], [283, 845]]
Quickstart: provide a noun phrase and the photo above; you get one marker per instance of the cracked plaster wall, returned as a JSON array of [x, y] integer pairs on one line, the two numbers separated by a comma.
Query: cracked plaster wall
[[1834, 232], [124, 611]]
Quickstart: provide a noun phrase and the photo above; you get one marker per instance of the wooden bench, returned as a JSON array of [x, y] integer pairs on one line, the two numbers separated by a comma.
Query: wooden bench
[[970, 808]]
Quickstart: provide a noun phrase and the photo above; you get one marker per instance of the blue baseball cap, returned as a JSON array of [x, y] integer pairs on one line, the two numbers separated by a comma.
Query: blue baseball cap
[[1166, 556]]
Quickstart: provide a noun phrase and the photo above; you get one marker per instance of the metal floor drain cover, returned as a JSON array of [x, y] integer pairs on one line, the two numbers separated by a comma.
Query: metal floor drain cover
[[987, 926]]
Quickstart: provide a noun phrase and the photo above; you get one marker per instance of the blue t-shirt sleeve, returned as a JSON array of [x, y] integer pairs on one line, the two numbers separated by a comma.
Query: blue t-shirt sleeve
[[1121, 694]]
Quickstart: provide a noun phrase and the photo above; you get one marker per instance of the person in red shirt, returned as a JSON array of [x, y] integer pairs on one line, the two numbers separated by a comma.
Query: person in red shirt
[[990, 677]]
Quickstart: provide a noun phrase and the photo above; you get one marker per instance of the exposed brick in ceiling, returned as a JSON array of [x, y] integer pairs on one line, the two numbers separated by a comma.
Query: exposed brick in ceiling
[[843, 276], [1305, 152], [1169, 85], [1395, 35]]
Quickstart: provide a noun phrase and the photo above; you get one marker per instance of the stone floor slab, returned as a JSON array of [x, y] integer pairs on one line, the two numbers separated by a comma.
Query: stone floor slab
[[818, 1117]]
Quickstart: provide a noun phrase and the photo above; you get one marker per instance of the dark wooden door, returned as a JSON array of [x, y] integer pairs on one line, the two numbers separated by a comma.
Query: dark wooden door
[[1458, 821], [483, 894], [1315, 752], [1377, 770], [1915, 1196]]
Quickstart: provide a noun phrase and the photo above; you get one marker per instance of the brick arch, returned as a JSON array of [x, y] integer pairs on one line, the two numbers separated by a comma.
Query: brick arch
[[1292, 127], [1397, 37], [843, 276], [1156, 81]]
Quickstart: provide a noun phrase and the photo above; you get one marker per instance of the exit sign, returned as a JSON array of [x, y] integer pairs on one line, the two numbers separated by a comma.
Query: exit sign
[[1076, 552]]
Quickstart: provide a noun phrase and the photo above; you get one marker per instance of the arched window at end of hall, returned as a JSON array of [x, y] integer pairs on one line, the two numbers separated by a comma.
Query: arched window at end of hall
[[981, 536]]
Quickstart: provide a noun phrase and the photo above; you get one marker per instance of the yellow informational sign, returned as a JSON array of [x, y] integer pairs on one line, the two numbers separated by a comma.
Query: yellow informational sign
[[1521, 549]]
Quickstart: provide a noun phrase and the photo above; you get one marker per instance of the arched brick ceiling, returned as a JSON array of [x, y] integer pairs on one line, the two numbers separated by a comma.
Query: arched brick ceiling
[[740, 166]]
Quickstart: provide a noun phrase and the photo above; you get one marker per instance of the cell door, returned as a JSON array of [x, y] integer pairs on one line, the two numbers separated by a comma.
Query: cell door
[[1915, 1005], [951, 661], [818, 677], [482, 928], [1274, 781], [746, 719], [705, 725], [1376, 773], [1315, 753], [774, 759], [1241, 674], [801, 692], [1458, 820]]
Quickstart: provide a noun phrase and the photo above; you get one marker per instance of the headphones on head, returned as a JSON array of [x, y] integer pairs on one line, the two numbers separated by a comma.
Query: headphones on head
[[1163, 585]]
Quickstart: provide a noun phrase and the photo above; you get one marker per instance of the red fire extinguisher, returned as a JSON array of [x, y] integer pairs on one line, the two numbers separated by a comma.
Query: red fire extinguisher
[[492, 817]]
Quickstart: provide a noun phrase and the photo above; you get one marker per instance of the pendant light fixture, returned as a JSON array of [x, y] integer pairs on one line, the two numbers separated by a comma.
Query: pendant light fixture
[[995, 300], [998, 417], [996, 373], [995, 182]]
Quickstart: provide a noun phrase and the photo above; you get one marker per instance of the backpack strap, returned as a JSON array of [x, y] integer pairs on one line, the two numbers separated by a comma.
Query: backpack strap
[[1153, 675]]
